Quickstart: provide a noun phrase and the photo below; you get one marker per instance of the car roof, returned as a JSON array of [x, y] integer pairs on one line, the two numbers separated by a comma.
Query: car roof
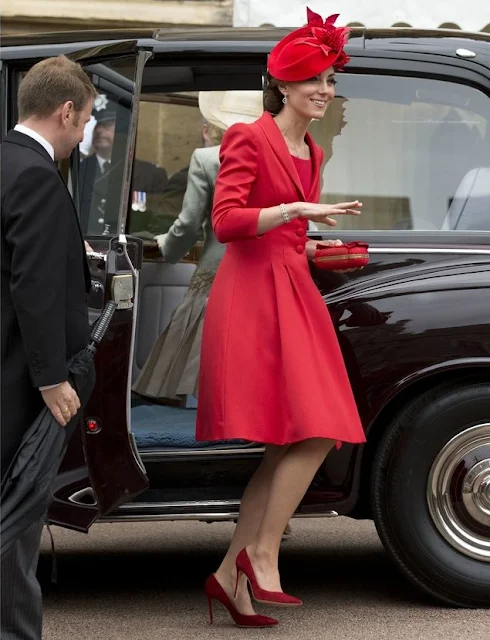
[[251, 39], [236, 34]]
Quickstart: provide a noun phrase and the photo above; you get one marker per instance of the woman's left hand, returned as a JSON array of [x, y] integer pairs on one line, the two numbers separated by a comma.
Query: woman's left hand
[[311, 245]]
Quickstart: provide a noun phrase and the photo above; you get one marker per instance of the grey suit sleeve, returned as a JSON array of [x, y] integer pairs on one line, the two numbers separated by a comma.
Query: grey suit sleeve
[[184, 232]]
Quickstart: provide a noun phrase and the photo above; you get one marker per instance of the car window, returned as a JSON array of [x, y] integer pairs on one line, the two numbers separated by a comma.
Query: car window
[[171, 130], [100, 158], [168, 133], [415, 151]]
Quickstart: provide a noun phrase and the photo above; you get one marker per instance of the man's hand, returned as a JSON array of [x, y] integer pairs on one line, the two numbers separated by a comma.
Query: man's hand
[[62, 401]]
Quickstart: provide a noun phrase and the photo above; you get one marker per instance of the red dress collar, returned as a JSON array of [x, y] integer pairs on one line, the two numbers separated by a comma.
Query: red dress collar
[[276, 140]]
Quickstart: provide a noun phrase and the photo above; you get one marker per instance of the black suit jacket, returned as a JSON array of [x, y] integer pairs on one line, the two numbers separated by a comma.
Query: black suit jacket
[[45, 281], [94, 185]]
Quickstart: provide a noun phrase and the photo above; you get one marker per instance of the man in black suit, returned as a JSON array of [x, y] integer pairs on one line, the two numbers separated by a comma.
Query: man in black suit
[[45, 280], [95, 173]]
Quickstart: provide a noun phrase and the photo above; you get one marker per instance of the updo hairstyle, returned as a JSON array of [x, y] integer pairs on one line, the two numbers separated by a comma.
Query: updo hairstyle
[[272, 96]]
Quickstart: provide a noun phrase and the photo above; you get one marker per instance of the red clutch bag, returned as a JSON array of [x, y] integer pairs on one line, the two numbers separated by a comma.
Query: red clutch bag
[[352, 255]]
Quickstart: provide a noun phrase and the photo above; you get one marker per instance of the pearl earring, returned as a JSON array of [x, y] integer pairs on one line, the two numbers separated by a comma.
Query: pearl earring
[[285, 99]]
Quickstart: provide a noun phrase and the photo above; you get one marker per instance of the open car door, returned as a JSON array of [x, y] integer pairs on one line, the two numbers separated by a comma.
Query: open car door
[[102, 468]]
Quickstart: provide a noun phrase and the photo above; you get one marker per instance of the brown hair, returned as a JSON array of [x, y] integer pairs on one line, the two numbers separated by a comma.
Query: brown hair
[[49, 84], [272, 96]]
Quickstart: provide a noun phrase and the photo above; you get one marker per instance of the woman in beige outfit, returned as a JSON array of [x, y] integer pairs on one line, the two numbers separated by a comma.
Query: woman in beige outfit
[[172, 368]]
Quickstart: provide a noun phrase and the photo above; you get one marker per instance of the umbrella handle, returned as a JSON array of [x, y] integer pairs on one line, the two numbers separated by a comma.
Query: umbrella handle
[[103, 322]]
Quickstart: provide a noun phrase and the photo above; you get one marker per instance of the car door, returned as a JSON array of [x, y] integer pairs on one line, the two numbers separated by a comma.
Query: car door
[[101, 468]]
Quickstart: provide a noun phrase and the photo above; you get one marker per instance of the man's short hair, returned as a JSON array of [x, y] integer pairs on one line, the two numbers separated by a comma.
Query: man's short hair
[[49, 84]]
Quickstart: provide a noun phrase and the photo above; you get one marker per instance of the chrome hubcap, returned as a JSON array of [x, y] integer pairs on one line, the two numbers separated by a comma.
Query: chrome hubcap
[[458, 492]]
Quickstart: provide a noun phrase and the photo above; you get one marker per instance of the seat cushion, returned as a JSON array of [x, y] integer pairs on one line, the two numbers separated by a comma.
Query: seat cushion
[[162, 287]]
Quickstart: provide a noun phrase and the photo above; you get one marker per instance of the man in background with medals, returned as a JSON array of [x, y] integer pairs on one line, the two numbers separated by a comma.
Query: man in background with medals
[[96, 169]]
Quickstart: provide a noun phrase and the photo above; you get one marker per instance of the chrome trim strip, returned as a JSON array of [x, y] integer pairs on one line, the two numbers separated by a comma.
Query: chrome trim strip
[[483, 252], [82, 493], [160, 453], [327, 514], [204, 504], [178, 516], [222, 517], [136, 277]]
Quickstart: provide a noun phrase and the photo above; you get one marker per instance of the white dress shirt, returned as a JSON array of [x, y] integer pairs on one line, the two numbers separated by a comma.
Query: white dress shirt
[[102, 163], [37, 137], [49, 148]]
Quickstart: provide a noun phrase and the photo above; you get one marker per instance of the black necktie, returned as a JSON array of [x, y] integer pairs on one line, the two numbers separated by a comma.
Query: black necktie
[[105, 166]]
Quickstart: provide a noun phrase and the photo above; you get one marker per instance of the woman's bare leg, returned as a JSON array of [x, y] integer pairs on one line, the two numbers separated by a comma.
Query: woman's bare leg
[[252, 509], [292, 477]]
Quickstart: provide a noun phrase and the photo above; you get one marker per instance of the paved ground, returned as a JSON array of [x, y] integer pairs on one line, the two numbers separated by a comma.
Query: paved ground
[[144, 582]]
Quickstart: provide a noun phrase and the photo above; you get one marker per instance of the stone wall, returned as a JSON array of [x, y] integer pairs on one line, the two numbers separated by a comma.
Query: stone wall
[[30, 16], [168, 136], [474, 16]]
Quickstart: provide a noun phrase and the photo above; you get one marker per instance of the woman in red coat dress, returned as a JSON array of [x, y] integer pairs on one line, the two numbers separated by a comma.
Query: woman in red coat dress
[[271, 367]]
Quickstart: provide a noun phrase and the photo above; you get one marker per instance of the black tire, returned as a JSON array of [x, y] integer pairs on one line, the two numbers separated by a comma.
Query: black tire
[[399, 493]]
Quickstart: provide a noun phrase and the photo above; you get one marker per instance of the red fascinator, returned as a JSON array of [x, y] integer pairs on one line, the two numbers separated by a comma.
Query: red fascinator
[[310, 50]]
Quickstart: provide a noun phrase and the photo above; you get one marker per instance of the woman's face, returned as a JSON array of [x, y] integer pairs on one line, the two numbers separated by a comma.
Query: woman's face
[[310, 98]]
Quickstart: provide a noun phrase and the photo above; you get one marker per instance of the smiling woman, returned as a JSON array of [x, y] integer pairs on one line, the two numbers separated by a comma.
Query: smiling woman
[[277, 92], [261, 363]]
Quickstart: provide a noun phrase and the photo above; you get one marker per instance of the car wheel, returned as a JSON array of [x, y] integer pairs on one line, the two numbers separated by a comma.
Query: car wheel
[[431, 493]]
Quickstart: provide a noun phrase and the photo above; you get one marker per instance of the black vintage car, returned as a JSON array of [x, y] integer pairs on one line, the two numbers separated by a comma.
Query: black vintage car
[[409, 135]]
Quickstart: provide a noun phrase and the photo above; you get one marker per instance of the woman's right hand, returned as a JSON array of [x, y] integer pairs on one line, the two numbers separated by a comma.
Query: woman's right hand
[[319, 212]]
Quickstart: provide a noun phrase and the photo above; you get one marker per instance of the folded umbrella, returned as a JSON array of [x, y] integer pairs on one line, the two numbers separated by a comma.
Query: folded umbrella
[[26, 490]]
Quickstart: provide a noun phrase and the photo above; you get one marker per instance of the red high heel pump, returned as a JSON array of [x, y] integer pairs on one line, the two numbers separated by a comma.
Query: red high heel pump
[[214, 591], [277, 598]]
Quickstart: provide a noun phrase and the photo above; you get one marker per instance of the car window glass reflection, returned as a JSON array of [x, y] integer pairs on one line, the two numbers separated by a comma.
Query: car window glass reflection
[[101, 165], [103, 152], [415, 151], [168, 133]]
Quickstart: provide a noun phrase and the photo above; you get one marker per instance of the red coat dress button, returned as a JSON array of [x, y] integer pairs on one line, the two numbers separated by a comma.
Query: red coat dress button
[[300, 248], [300, 232]]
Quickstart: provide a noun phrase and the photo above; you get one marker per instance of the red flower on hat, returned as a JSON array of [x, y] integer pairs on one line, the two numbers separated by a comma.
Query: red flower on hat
[[315, 19], [327, 36]]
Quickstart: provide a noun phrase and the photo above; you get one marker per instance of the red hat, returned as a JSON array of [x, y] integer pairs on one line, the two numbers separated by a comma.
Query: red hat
[[310, 50]]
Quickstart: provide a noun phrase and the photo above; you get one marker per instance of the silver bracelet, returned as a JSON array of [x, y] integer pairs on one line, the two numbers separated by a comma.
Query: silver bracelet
[[284, 213]]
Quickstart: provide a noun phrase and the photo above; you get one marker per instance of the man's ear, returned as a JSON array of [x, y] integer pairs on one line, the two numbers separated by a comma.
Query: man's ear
[[67, 111]]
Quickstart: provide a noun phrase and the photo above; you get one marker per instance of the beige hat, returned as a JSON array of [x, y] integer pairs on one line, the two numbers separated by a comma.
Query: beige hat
[[224, 108]]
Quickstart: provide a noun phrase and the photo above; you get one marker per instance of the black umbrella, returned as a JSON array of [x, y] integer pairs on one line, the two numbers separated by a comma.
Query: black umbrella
[[26, 490]]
